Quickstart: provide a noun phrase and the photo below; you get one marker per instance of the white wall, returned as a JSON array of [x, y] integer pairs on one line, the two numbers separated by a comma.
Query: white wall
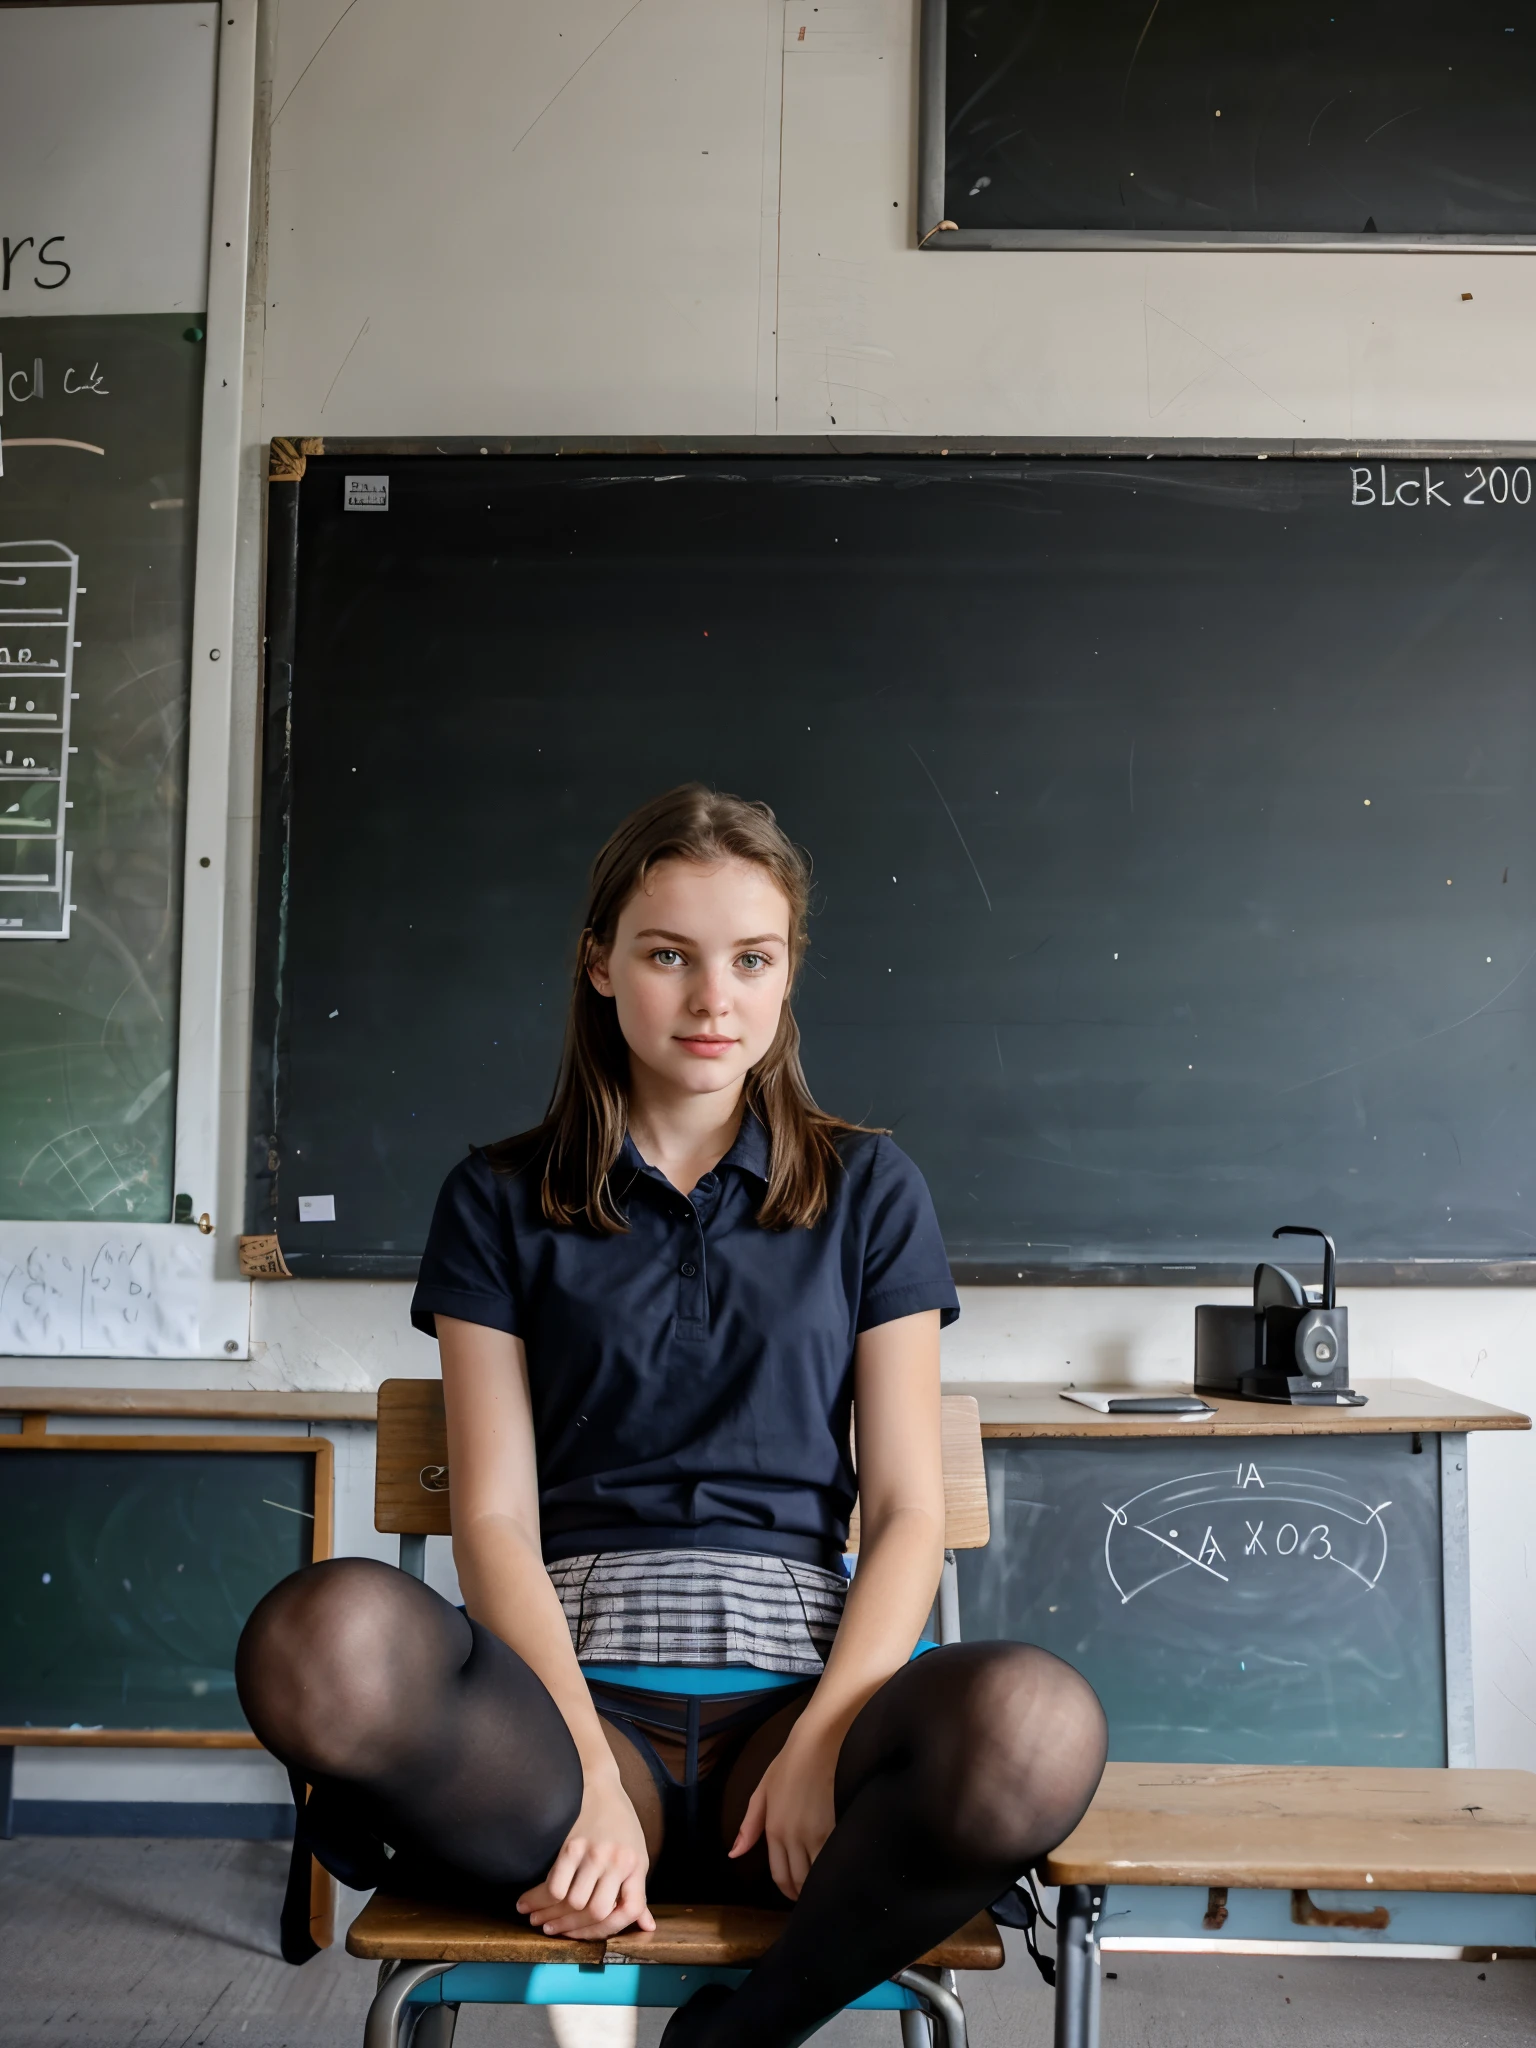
[[672, 216], [567, 218]]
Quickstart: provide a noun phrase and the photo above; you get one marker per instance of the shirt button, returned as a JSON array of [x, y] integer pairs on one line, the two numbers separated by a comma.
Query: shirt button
[[687, 1269]]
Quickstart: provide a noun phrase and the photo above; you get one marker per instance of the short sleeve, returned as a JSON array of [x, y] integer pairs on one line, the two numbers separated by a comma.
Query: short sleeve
[[905, 1266], [466, 1269]]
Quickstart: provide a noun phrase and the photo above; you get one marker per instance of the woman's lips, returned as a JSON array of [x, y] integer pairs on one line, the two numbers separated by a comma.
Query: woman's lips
[[706, 1048]]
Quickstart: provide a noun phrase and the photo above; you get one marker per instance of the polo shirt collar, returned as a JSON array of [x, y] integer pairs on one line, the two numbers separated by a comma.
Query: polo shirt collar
[[750, 1152]]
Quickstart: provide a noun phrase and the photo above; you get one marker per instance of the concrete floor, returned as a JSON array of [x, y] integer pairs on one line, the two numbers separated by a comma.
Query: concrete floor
[[172, 1944]]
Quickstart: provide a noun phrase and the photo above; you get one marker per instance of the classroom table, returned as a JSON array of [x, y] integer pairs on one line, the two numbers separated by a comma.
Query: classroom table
[[1423, 1865], [1436, 1422], [1009, 1410]]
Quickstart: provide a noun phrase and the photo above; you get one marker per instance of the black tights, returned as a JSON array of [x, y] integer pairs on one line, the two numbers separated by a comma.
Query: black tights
[[422, 1730]]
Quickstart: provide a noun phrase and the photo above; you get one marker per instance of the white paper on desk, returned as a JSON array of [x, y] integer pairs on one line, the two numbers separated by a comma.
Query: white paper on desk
[[1102, 1399]]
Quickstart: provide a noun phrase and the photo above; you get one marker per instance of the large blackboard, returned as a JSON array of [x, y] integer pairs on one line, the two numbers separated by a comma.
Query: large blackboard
[[1173, 824], [128, 1575], [1194, 120], [1278, 1602]]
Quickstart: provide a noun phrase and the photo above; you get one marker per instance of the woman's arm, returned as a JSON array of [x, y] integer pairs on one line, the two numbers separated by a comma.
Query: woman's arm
[[597, 1883], [901, 1554]]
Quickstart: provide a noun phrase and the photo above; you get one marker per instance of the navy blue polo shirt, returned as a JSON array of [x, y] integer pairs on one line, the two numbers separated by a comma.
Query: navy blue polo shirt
[[692, 1379]]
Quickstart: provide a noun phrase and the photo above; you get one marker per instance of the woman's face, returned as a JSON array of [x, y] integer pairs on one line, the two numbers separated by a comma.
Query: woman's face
[[699, 972]]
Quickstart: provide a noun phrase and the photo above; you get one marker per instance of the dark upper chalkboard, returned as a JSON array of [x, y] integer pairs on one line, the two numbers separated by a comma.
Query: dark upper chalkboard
[[1276, 1603], [129, 1575], [1174, 827], [1198, 119]]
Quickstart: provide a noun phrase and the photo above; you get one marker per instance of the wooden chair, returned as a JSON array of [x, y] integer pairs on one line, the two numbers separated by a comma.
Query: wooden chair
[[1212, 1859], [433, 1958]]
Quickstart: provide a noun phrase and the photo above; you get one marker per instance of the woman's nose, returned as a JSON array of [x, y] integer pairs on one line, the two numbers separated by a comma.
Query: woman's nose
[[712, 995]]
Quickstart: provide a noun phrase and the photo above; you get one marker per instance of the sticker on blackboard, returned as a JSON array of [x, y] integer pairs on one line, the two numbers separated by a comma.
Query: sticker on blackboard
[[366, 494], [317, 1208]]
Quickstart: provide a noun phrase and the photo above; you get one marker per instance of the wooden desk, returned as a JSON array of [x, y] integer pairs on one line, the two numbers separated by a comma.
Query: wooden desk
[[242, 1404], [1433, 1421], [1393, 1407], [1068, 1518], [1007, 1409], [1340, 1830], [1199, 1860]]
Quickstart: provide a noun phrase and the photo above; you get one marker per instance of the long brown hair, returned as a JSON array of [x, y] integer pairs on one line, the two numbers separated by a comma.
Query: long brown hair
[[578, 1143]]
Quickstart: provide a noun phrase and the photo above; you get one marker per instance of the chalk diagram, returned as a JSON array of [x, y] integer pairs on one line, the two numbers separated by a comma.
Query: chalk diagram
[[1237, 1524], [39, 585]]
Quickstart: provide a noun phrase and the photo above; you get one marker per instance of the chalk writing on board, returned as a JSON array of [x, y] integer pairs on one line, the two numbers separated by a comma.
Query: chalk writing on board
[[1245, 1527], [39, 585], [1387, 486]]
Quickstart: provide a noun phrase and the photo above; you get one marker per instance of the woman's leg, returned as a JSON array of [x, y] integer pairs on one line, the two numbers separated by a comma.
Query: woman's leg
[[961, 1771], [416, 1727]]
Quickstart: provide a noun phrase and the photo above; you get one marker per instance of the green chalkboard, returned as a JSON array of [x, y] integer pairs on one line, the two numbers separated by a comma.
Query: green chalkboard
[[1230, 1602], [98, 509], [127, 1576]]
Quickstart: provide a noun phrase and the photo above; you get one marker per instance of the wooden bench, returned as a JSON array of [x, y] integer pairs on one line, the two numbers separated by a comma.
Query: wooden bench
[[435, 1958], [1212, 1859]]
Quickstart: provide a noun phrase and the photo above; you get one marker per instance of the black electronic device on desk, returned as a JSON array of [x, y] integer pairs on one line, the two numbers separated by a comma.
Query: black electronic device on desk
[[1292, 1345]]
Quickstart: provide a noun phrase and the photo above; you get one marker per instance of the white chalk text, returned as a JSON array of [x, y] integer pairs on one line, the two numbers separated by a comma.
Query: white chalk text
[[1483, 484]]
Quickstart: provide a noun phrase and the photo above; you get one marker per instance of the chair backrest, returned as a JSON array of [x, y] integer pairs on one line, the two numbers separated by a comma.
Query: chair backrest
[[411, 1491]]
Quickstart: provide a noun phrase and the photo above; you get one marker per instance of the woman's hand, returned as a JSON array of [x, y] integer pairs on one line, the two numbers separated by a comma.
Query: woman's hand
[[596, 1885], [793, 1805]]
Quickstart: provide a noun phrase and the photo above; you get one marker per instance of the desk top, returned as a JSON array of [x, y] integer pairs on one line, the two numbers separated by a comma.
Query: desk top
[[1393, 1408], [1007, 1409], [1282, 1828], [238, 1404]]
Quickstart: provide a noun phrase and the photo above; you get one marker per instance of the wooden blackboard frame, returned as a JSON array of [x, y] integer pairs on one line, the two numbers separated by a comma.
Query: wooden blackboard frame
[[287, 461], [35, 1436], [933, 232]]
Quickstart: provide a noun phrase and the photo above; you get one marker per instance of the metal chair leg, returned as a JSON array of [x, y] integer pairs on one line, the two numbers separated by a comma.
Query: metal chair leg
[[434, 2029], [943, 2008], [916, 2029], [1077, 1966], [382, 2026], [949, 1600]]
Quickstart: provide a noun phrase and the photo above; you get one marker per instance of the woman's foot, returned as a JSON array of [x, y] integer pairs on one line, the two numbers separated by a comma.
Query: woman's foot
[[687, 2024]]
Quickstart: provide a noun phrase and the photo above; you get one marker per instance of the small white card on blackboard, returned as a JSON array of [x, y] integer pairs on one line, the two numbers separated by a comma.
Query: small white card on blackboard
[[317, 1208], [366, 494]]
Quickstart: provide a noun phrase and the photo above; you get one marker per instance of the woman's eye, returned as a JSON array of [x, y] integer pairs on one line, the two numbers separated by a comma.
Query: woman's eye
[[667, 956], [754, 963]]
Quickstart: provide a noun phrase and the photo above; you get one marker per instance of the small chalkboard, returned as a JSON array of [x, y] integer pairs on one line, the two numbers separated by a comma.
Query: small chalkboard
[[130, 1567], [1118, 123], [1230, 1601]]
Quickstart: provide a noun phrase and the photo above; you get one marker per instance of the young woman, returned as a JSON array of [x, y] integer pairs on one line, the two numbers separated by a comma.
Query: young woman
[[655, 1313]]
